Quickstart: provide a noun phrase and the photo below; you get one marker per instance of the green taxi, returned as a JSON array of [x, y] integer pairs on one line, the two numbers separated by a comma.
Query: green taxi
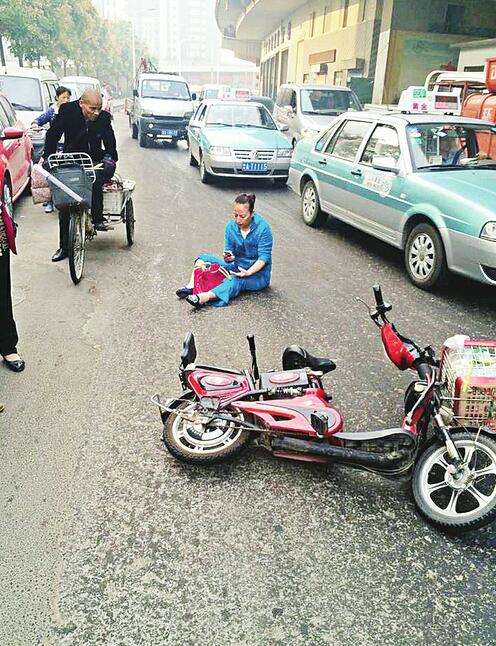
[[425, 183]]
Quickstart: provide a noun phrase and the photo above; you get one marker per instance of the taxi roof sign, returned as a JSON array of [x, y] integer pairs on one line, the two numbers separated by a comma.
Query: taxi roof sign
[[414, 99]]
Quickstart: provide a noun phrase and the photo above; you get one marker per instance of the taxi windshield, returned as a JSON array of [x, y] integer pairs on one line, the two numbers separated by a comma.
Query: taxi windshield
[[241, 115], [452, 146]]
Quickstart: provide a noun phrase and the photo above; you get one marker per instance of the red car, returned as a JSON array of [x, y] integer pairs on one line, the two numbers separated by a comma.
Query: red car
[[15, 154]]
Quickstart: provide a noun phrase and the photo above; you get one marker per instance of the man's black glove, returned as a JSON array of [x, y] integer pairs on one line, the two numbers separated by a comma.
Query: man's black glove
[[108, 167]]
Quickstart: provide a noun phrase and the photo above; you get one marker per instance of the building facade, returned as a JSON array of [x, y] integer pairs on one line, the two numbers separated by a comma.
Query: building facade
[[378, 47]]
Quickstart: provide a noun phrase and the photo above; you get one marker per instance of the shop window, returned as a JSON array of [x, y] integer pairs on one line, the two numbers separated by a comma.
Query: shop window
[[338, 77]]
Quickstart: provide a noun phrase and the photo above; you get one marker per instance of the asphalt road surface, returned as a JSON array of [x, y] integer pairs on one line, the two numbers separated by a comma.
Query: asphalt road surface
[[106, 540]]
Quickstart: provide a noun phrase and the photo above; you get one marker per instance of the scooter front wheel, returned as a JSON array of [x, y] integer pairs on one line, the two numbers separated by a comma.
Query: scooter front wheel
[[462, 500], [192, 436]]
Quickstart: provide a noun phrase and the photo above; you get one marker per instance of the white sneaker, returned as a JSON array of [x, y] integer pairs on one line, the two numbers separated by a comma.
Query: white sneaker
[[48, 207]]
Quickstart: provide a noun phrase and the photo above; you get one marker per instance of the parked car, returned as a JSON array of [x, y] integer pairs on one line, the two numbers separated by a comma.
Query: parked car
[[309, 109], [264, 100], [15, 154], [31, 91], [237, 139], [418, 182], [161, 108]]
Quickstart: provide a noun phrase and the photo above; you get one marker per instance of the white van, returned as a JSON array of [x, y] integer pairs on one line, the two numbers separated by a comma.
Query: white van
[[31, 91], [309, 109], [78, 84], [161, 109]]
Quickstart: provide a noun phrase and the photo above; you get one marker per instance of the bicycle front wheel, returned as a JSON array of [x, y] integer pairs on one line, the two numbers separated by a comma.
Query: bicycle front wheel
[[77, 244]]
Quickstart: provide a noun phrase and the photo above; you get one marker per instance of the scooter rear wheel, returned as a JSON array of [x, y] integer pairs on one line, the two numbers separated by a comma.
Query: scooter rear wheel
[[193, 439], [464, 502]]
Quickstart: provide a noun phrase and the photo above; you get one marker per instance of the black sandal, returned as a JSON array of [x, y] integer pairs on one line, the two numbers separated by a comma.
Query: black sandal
[[182, 292], [194, 300]]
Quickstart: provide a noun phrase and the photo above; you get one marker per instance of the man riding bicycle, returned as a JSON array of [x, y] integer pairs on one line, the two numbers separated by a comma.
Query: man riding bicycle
[[86, 129]]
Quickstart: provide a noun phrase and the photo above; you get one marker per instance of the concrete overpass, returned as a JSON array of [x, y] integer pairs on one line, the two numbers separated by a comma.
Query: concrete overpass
[[244, 23]]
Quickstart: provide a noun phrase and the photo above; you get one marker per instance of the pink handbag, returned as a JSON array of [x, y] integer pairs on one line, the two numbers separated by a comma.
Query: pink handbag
[[10, 228], [206, 279]]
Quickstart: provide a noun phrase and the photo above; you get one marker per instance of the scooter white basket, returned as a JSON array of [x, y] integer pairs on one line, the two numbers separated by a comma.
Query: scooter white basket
[[469, 369]]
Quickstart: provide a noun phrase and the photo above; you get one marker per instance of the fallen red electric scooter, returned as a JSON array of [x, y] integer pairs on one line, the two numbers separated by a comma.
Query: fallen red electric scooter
[[446, 443]]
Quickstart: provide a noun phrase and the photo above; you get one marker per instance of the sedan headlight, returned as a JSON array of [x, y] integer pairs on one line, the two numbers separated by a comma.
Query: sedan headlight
[[285, 153], [146, 113], [308, 133], [220, 151], [489, 231]]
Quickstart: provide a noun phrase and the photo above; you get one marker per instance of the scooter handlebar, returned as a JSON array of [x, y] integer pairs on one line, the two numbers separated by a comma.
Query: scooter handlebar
[[379, 301]]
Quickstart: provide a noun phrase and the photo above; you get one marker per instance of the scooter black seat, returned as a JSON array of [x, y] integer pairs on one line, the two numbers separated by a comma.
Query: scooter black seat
[[295, 357]]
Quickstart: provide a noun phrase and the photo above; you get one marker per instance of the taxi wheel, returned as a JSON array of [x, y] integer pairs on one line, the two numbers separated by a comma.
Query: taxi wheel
[[425, 258], [310, 206]]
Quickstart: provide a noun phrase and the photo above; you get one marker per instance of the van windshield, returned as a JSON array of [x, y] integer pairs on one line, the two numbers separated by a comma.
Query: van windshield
[[160, 89], [331, 102], [24, 93]]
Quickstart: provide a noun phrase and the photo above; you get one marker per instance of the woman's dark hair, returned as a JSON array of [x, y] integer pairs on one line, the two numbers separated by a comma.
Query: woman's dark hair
[[246, 198], [61, 89]]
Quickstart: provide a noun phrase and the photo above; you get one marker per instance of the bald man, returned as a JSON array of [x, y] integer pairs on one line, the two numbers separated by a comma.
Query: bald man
[[86, 129]]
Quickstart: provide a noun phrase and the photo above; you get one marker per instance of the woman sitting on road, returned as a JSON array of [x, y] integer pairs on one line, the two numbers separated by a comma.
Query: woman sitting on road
[[247, 256]]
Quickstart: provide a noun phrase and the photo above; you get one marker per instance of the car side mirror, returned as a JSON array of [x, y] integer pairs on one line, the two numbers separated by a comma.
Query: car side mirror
[[193, 96], [284, 127], [382, 162], [12, 133], [135, 93]]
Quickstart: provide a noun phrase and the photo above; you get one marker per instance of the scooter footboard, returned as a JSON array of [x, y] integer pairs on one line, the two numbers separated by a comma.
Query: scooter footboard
[[388, 450], [378, 440]]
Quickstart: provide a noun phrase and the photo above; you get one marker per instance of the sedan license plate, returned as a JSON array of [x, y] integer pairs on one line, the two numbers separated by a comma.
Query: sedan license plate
[[254, 167], [169, 133]]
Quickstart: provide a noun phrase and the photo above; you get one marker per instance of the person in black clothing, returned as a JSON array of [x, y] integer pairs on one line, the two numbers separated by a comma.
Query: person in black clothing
[[86, 129], [8, 330]]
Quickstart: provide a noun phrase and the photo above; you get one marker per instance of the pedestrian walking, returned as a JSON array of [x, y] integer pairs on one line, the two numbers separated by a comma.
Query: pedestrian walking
[[247, 257], [8, 329]]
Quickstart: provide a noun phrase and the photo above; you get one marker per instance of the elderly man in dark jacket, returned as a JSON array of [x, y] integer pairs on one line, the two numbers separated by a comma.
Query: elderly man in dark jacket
[[86, 129]]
